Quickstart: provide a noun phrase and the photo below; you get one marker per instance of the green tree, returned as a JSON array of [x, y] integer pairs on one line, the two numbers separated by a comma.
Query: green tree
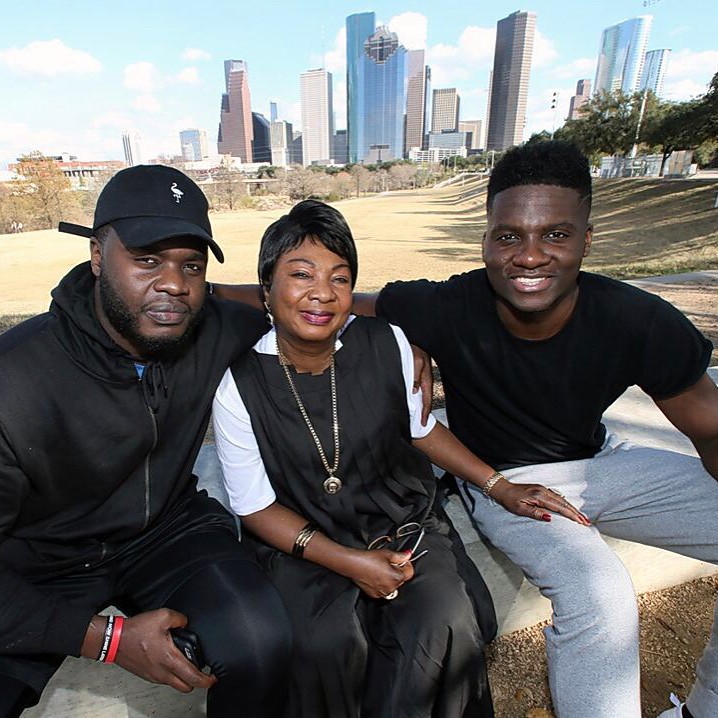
[[609, 123], [673, 126]]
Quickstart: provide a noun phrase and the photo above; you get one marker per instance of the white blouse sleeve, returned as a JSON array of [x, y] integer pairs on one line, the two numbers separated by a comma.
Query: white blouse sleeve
[[413, 401], [245, 478]]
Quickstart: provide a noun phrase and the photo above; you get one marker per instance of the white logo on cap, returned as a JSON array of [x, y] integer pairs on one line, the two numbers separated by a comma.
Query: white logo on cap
[[178, 193]]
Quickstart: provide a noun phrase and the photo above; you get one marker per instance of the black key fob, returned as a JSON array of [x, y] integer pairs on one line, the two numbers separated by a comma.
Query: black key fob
[[189, 644]]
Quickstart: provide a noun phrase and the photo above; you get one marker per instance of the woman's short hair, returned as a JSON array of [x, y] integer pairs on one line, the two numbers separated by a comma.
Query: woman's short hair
[[553, 162], [312, 219]]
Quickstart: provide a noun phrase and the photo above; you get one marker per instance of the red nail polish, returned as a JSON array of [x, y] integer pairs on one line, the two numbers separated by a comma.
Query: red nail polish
[[546, 517]]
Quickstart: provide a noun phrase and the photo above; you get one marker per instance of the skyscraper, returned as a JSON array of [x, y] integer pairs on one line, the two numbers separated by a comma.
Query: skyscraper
[[474, 127], [132, 146], [417, 100], [281, 133], [654, 70], [235, 124], [193, 143], [583, 93], [620, 58], [317, 116], [445, 110], [261, 141], [510, 80], [376, 94]]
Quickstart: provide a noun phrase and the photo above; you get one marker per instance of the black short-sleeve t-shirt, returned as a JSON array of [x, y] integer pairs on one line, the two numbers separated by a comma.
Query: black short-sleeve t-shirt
[[517, 402]]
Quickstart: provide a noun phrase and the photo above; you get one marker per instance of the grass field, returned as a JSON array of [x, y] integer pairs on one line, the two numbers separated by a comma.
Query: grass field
[[643, 227]]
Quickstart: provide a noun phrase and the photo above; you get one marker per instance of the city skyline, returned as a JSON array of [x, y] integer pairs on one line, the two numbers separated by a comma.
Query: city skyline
[[77, 60]]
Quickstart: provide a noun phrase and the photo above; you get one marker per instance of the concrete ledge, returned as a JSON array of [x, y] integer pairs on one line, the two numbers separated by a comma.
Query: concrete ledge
[[83, 689]]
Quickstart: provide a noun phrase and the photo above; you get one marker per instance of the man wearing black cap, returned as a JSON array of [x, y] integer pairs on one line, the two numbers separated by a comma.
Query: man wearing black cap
[[105, 400]]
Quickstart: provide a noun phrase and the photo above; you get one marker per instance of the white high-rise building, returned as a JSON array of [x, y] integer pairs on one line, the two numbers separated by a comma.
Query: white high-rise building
[[317, 116], [654, 70], [620, 59], [132, 145]]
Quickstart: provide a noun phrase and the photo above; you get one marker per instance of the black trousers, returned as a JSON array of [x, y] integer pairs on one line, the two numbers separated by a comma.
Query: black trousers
[[191, 562]]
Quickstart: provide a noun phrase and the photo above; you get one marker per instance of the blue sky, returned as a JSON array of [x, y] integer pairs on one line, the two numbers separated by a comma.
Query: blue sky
[[75, 73]]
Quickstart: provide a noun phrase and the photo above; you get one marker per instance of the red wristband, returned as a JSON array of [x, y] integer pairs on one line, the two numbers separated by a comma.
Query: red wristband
[[115, 640]]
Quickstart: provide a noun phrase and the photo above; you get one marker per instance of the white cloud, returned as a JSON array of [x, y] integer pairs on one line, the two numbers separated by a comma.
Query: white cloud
[[146, 103], [681, 90], [110, 119], [690, 64], [688, 73], [411, 28], [544, 51], [477, 44], [580, 69], [141, 76], [188, 76], [471, 56], [194, 54], [49, 58], [336, 59], [18, 138]]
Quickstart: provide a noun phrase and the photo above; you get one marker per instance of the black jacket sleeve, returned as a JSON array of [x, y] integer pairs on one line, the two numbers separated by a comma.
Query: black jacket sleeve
[[31, 621]]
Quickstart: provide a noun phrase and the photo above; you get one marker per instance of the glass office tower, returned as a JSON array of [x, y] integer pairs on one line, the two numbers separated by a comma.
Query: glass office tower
[[620, 59], [376, 91]]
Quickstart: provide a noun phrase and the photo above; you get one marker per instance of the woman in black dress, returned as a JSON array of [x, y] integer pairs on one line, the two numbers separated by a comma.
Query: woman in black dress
[[325, 460]]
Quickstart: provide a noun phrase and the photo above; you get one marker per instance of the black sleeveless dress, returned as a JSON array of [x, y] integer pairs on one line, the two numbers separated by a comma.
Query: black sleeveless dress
[[422, 653]]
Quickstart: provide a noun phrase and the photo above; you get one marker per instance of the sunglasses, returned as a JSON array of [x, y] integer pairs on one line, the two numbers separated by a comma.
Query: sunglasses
[[406, 538]]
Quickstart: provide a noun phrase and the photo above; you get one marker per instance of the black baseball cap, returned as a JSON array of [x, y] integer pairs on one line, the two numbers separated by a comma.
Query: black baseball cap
[[148, 203]]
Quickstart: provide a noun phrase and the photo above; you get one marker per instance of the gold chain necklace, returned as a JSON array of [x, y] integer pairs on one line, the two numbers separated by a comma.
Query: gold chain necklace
[[332, 484]]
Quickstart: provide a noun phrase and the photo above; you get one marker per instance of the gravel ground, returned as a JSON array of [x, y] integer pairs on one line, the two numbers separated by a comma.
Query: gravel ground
[[675, 622]]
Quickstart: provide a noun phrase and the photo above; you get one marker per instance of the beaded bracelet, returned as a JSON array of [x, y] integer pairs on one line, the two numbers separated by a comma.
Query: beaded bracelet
[[491, 482]]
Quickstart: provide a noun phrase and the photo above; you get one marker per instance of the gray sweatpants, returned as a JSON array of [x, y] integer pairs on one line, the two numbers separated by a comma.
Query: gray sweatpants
[[652, 496]]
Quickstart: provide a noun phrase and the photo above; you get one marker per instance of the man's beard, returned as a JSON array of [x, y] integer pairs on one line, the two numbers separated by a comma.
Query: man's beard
[[127, 324]]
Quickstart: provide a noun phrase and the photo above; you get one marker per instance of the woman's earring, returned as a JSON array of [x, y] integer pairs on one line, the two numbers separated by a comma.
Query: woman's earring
[[270, 316]]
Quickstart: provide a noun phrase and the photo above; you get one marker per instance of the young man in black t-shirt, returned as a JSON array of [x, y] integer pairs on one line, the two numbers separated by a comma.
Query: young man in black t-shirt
[[532, 351]]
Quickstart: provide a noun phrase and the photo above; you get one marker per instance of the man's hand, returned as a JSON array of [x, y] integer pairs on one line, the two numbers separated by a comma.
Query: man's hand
[[423, 380], [535, 501], [146, 649]]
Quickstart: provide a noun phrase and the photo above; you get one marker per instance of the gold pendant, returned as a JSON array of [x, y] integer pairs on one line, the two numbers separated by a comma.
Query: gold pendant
[[333, 485]]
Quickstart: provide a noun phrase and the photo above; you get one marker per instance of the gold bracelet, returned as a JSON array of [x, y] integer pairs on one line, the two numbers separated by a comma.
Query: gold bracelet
[[303, 538], [491, 482]]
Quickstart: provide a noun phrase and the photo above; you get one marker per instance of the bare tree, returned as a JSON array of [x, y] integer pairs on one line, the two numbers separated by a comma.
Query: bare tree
[[42, 194]]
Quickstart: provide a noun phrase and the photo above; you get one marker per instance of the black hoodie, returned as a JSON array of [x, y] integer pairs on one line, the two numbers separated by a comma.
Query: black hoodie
[[90, 455]]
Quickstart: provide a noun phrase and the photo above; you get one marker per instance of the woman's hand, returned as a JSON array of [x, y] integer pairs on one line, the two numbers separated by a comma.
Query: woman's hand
[[380, 572], [535, 501]]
